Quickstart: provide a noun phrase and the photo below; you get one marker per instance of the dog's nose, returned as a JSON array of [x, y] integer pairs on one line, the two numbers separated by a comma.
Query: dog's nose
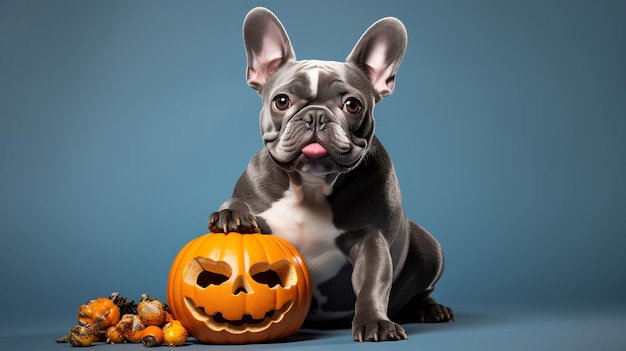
[[316, 119]]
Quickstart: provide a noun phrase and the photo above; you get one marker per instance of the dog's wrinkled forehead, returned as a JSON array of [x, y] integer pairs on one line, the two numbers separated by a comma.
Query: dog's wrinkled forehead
[[311, 79]]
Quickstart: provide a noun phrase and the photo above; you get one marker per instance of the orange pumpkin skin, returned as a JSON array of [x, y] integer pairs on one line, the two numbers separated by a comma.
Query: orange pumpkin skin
[[239, 288]]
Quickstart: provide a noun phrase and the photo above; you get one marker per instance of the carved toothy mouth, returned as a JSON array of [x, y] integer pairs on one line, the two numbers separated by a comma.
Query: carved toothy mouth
[[247, 323]]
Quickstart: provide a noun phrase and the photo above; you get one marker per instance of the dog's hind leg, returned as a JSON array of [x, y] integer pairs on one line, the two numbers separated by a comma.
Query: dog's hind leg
[[410, 299]]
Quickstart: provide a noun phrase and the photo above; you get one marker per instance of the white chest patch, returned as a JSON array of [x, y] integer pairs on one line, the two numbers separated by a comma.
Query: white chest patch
[[307, 223]]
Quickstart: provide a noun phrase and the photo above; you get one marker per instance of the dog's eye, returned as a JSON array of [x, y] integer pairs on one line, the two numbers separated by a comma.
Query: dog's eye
[[353, 105], [281, 102]]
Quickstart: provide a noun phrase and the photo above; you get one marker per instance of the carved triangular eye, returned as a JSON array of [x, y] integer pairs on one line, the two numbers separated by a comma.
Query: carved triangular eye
[[206, 278], [280, 273], [204, 272], [269, 278]]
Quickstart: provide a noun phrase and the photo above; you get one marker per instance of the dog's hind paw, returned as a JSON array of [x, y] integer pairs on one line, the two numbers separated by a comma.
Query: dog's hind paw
[[432, 312]]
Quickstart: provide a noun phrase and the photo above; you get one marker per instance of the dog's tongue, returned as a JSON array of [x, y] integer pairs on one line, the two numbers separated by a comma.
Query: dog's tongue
[[314, 150]]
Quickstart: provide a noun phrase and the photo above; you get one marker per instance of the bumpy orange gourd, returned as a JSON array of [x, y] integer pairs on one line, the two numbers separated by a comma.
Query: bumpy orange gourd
[[114, 335], [131, 327], [81, 335], [101, 310], [239, 288], [151, 312]]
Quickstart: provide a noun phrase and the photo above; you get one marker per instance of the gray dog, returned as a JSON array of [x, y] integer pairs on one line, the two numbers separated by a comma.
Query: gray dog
[[325, 183]]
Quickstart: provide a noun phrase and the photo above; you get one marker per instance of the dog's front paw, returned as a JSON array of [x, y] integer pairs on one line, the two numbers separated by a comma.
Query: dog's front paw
[[377, 330], [226, 221]]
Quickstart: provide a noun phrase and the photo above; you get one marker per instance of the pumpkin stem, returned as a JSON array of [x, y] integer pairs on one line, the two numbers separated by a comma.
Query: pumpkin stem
[[130, 307], [146, 297], [94, 328], [64, 338]]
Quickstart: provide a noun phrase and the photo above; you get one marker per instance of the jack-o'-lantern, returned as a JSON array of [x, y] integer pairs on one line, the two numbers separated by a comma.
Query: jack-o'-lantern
[[239, 288]]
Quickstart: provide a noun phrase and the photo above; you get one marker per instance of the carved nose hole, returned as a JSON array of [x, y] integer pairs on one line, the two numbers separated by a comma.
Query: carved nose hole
[[241, 286]]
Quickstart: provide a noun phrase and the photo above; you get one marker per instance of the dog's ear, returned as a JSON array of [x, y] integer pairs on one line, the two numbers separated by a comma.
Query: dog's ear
[[267, 46], [379, 52]]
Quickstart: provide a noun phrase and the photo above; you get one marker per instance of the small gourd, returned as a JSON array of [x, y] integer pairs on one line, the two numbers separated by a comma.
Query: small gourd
[[101, 310]]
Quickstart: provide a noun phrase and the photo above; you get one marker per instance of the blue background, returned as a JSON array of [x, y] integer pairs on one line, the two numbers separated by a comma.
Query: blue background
[[123, 124]]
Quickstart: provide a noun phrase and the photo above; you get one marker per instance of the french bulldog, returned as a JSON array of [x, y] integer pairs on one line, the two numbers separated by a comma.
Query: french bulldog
[[325, 183]]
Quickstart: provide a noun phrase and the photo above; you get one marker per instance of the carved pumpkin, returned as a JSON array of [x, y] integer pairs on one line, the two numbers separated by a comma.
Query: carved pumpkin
[[239, 288]]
